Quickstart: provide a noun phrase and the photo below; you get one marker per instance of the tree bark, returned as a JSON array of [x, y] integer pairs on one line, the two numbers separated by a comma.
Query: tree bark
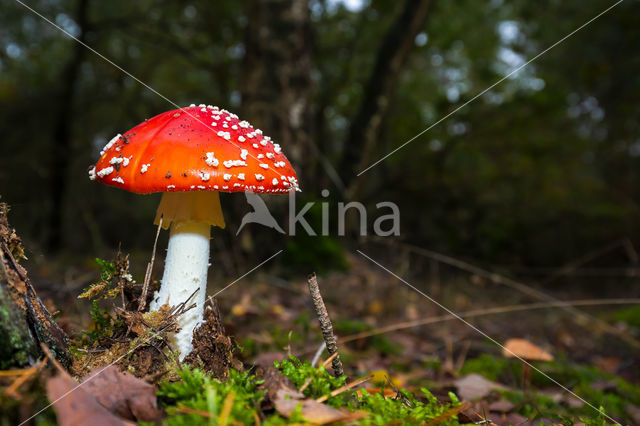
[[61, 149], [24, 320], [277, 74], [391, 57]]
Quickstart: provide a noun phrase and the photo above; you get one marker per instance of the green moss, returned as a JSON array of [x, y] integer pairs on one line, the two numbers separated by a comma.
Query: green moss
[[200, 392], [197, 397]]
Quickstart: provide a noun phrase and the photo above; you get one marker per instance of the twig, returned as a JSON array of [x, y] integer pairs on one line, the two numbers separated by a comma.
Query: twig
[[324, 364], [54, 361], [484, 312], [147, 276], [318, 354], [345, 388], [227, 405], [325, 324], [28, 373], [523, 288]]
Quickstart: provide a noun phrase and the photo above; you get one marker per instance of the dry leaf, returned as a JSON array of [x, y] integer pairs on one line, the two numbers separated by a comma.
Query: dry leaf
[[474, 386], [312, 411], [75, 407], [501, 406], [285, 397], [526, 350], [123, 394]]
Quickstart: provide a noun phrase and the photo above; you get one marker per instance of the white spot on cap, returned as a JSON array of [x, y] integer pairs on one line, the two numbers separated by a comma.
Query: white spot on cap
[[118, 179], [211, 160], [226, 177], [255, 145], [144, 168], [234, 163], [104, 172], [244, 153], [171, 187], [260, 155], [108, 146], [270, 155], [92, 173], [259, 176], [263, 142], [277, 148], [204, 176], [274, 181], [264, 166], [241, 138], [241, 176]]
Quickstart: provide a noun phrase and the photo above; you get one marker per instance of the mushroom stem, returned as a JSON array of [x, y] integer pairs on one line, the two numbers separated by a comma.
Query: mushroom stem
[[185, 271]]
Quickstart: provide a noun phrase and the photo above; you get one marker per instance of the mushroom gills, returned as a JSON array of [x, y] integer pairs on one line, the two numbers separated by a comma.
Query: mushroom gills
[[192, 206]]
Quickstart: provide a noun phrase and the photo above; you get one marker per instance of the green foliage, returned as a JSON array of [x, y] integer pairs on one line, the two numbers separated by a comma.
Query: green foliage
[[630, 315], [405, 408], [105, 287], [322, 383], [381, 410], [103, 322], [198, 391]]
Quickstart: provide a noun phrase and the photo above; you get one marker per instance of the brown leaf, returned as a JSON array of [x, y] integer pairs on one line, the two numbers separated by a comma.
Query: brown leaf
[[75, 407], [285, 397], [474, 386], [123, 394], [501, 406], [525, 350], [312, 411]]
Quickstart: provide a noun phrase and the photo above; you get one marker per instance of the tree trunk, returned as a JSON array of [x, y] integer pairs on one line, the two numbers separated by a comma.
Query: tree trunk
[[24, 320], [61, 149], [277, 74], [391, 58]]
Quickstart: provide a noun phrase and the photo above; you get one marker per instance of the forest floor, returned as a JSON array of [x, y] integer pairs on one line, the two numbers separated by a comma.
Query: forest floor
[[417, 363]]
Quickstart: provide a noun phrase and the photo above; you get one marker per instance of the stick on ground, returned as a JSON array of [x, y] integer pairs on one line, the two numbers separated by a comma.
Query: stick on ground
[[325, 324]]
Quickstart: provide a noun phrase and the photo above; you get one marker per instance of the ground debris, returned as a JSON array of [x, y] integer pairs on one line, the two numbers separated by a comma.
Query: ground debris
[[138, 344], [211, 347], [123, 394], [74, 406], [285, 398]]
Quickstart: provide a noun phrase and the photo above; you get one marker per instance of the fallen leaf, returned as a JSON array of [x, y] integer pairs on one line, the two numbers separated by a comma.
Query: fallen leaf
[[526, 350], [633, 411], [123, 394], [507, 419], [75, 407], [501, 406], [285, 397], [312, 411], [474, 386]]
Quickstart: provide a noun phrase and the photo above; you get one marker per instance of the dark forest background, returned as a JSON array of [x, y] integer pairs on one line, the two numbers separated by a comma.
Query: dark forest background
[[539, 170]]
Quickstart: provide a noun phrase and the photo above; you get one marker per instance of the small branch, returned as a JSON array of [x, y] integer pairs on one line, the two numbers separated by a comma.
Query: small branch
[[325, 324], [345, 388], [147, 277]]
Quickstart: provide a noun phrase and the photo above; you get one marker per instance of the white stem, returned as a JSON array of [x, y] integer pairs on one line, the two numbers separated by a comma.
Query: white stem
[[185, 271]]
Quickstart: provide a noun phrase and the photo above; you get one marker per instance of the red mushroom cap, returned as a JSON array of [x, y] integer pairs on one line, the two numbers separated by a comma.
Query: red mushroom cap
[[198, 148]]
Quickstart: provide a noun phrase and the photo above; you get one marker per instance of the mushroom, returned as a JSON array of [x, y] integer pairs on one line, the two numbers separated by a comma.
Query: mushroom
[[525, 350], [190, 154]]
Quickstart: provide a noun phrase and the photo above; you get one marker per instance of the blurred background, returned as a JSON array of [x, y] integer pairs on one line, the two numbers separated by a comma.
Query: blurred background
[[539, 170], [528, 193]]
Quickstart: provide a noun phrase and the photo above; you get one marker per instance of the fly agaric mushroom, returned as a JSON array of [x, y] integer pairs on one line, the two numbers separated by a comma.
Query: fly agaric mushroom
[[190, 154]]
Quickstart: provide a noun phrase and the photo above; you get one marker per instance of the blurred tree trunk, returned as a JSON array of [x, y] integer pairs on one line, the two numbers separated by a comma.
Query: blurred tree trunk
[[277, 74], [61, 151], [392, 56], [25, 322]]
